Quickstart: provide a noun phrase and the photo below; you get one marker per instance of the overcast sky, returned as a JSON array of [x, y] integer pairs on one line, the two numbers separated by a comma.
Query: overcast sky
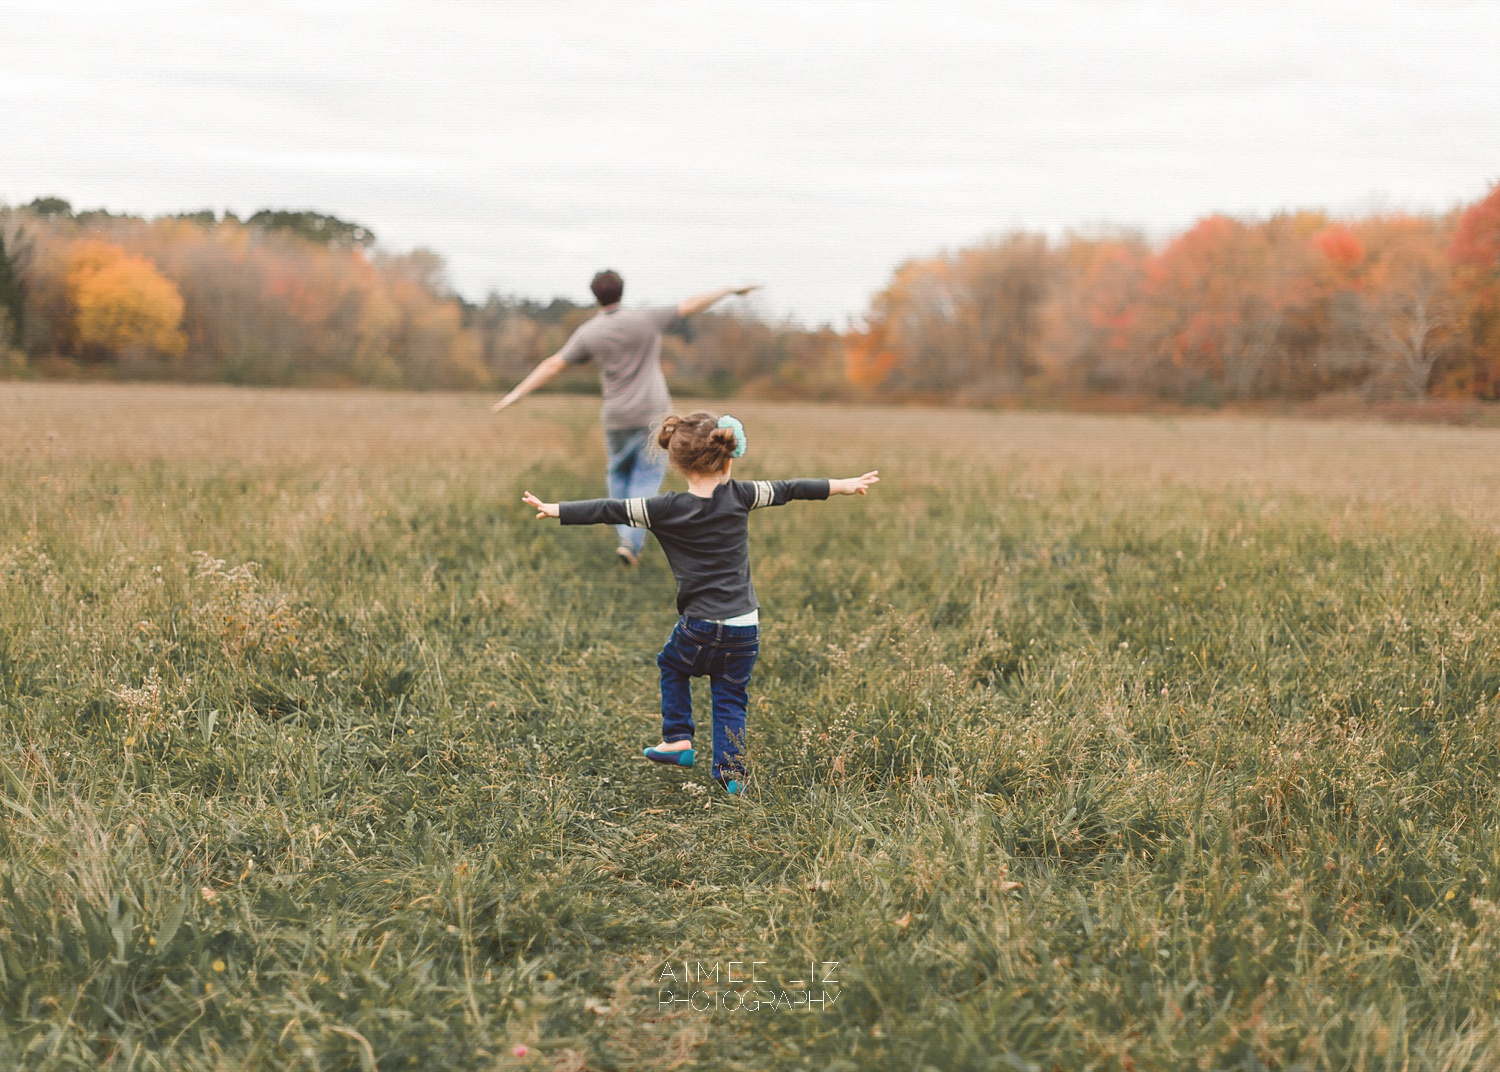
[[810, 145]]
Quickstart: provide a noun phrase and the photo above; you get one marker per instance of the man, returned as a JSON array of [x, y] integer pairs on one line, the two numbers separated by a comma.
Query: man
[[626, 345]]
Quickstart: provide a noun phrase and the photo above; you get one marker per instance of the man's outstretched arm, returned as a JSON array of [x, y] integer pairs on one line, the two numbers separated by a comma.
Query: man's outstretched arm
[[548, 368], [689, 306]]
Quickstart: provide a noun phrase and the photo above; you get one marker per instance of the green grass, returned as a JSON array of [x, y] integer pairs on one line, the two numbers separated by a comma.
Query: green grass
[[323, 755]]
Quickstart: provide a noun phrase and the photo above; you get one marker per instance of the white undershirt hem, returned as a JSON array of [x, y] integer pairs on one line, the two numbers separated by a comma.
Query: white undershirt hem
[[752, 618]]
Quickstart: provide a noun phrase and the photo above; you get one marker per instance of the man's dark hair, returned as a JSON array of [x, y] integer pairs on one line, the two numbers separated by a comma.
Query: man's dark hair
[[608, 287]]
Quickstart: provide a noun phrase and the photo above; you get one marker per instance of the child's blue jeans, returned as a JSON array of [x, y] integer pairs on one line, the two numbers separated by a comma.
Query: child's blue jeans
[[725, 654]]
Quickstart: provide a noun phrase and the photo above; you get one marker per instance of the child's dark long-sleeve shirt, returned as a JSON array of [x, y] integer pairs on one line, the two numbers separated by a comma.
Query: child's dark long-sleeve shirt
[[707, 541]]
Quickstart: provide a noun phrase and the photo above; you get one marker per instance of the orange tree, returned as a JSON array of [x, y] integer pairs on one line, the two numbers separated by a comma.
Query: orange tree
[[1236, 309], [1408, 309], [971, 319], [122, 306]]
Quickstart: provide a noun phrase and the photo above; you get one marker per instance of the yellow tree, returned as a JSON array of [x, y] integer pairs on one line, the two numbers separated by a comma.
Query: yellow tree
[[122, 306]]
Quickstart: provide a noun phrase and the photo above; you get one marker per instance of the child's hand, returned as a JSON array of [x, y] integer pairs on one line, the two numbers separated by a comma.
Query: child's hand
[[542, 509], [854, 485]]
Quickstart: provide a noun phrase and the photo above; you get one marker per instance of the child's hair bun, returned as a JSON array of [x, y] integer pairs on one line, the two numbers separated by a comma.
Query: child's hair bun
[[696, 444], [668, 426]]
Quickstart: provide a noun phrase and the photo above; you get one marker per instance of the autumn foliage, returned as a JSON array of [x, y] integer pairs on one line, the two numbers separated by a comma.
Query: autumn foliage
[[121, 304], [1475, 254], [301, 298], [1292, 306], [211, 299]]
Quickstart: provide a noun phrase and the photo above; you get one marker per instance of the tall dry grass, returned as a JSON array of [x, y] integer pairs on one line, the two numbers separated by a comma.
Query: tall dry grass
[[1084, 742]]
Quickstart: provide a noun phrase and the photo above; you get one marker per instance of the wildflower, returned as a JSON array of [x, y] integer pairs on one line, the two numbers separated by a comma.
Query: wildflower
[[519, 1051], [219, 965]]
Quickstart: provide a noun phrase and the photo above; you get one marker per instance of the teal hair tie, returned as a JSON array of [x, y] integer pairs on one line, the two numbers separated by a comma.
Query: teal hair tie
[[740, 442]]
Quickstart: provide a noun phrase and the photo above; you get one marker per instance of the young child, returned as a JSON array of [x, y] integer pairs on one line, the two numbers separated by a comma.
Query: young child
[[705, 534]]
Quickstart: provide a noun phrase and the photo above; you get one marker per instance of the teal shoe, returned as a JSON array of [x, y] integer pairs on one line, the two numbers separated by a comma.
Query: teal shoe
[[682, 758], [733, 788]]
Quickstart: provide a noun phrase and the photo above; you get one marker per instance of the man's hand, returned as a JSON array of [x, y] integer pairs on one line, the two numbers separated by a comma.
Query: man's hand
[[854, 485], [542, 509], [697, 304]]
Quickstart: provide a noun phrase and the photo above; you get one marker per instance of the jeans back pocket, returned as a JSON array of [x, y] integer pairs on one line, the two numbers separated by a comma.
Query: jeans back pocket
[[737, 666]]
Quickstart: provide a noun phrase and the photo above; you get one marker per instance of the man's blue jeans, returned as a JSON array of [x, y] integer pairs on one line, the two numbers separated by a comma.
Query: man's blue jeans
[[635, 472], [725, 654]]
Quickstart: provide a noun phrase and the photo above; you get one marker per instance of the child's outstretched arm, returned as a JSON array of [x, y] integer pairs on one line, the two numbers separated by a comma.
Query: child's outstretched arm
[[760, 493], [854, 485], [542, 509], [633, 512]]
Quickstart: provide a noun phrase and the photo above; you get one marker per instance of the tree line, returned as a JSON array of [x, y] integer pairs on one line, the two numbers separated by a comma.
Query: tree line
[[303, 298], [1293, 306]]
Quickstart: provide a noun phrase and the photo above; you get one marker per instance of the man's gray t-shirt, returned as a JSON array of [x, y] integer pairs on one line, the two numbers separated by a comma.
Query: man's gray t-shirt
[[626, 345]]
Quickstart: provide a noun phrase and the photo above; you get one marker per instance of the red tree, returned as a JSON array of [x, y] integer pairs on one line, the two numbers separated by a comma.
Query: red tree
[[1475, 254]]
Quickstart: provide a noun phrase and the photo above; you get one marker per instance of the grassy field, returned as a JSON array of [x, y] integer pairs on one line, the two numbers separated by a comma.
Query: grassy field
[[1082, 743]]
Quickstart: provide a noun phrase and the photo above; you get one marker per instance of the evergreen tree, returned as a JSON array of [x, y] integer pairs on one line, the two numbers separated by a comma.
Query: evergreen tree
[[13, 250]]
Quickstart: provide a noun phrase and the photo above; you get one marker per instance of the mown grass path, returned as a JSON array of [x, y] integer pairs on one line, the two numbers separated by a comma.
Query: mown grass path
[[1083, 742]]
